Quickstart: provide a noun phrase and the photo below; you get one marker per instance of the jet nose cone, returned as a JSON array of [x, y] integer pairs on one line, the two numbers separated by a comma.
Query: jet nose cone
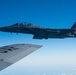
[[2, 28]]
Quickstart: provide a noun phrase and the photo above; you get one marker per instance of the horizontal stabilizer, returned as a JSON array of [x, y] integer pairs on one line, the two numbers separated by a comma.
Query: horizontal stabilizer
[[74, 26], [12, 53]]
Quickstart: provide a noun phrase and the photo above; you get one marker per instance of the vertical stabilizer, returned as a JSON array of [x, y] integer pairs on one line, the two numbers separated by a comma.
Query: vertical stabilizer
[[74, 26]]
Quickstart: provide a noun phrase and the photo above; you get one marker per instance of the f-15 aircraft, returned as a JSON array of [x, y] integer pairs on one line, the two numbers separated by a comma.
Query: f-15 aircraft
[[40, 32]]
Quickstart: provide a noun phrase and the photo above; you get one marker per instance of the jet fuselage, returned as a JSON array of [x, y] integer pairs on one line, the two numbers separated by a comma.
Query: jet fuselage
[[40, 33]]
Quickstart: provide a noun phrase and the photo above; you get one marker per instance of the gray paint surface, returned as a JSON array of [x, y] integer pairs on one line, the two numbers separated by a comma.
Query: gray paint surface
[[12, 53]]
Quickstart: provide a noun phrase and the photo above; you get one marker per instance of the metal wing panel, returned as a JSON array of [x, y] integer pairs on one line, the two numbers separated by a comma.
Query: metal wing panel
[[4, 64], [12, 53]]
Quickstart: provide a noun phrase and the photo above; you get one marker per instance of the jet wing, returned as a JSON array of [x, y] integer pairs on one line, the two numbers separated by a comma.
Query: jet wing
[[12, 53]]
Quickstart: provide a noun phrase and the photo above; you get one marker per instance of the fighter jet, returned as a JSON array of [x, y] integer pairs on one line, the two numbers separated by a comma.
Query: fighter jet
[[40, 32]]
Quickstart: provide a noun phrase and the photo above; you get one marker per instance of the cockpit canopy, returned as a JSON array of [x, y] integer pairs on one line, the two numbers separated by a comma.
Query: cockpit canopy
[[18, 24], [26, 25]]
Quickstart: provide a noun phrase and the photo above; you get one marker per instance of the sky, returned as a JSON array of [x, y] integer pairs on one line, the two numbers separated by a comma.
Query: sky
[[57, 56]]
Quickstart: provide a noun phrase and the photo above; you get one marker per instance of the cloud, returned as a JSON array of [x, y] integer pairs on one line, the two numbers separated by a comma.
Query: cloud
[[63, 74], [75, 73], [37, 74], [44, 74], [69, 74]]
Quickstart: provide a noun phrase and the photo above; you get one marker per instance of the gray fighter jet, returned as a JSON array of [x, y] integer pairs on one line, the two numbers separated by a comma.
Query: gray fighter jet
[[39, 32]]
